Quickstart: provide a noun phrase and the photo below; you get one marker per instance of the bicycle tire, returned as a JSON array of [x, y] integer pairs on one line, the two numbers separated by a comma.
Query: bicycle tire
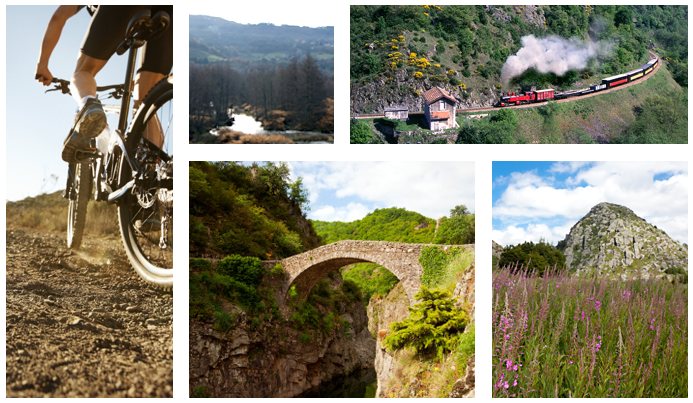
[[147, 208], [77, 209]]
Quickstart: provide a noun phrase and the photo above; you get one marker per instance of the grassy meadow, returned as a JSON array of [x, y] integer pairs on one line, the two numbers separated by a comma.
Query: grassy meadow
[[563, 336], [48, 212]]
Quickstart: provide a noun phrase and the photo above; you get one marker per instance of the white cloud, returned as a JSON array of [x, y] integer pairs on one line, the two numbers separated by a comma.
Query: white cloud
[[571, 167], [513, 235], [429, 188], [348, 213], [531, 199]]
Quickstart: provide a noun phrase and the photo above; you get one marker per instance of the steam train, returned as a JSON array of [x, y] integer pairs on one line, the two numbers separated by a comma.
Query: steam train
[[528, 97]]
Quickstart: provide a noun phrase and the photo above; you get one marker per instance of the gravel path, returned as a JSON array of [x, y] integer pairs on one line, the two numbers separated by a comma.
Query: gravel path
[[81, 323]]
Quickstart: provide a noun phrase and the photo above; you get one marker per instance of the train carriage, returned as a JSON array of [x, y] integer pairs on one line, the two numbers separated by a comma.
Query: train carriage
[[614, 81], [610, 82]]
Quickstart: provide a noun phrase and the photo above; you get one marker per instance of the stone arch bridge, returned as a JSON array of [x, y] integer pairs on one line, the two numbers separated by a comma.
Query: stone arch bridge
[[306, 269]]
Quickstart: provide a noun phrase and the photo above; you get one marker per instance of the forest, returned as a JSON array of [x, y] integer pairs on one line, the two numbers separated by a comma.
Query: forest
[[245, 46], [297, 94]]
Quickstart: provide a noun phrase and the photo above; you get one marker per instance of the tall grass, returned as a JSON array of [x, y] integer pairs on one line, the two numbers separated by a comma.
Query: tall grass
[[454, 270], [563, 336]]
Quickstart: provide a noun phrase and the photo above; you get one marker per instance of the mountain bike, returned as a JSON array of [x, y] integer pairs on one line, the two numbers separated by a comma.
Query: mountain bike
[[130, 170]]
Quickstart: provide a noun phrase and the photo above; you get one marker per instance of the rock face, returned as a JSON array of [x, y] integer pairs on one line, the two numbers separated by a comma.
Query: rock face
[[381, 313], [271, 361], [611, 240], [393, 308], [465, 387]]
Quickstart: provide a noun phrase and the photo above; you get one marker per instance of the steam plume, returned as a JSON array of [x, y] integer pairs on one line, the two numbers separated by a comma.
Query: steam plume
[[548, 55]]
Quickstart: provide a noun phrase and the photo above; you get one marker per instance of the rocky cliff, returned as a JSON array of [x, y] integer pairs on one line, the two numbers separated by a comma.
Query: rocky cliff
[[404, 91], [611, 240], [271, 359], [392, 380]]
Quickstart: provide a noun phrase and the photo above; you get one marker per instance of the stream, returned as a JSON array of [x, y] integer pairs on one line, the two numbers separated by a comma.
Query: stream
[[362, 383], [247, 124]]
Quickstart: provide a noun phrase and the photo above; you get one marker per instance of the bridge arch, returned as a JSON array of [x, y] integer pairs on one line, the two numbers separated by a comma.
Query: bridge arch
[[306, 269]]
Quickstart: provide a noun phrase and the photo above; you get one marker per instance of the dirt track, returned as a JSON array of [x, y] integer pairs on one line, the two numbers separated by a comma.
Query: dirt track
[[81, 324]]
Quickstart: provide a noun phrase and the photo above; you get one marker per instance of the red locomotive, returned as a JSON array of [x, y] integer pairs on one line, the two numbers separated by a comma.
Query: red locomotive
[[528, 97]]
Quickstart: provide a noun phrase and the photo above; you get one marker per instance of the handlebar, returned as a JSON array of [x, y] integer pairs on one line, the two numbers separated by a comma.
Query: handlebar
[[63, 86]]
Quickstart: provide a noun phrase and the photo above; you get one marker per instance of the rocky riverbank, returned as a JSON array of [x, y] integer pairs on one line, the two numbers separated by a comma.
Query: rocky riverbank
[[273, 359]]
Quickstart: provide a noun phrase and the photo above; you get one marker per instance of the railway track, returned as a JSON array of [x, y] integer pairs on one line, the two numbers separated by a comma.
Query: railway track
[[535, 105]]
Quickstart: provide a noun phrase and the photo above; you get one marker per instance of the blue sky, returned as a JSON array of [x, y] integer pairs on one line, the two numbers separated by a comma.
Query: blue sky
[[533, 200], [347, 191], [37, 123]]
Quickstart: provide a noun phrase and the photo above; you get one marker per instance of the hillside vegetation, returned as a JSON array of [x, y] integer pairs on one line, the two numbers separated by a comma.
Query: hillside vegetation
[[399, 52], [214, 39], [389, 224], [247, 210]]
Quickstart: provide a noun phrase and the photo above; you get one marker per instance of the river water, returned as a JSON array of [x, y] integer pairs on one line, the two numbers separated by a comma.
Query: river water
[[361, 383], [247, 124]]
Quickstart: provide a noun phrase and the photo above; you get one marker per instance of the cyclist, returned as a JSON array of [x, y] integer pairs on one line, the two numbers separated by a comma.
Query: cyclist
[[105, 32]]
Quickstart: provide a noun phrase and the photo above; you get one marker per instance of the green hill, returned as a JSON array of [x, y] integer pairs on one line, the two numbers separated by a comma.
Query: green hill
[[214, 39], [389, 224], [399, 52]]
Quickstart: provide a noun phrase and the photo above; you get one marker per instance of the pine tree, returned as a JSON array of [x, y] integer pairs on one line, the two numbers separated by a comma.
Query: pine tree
[[433, 327]]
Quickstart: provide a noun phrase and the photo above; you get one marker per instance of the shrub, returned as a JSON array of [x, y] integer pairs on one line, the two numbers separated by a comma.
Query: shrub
[[352, 290], [247, 270], [433, 327], [223, 321], [200, 265], [277, 270], [201, 392]]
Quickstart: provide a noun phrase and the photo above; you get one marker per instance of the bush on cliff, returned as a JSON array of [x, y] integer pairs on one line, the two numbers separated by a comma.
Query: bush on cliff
[[247, 270], [433, 328]]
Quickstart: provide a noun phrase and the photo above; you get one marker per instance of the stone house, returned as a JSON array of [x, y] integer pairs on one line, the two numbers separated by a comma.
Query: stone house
[[439, 108]]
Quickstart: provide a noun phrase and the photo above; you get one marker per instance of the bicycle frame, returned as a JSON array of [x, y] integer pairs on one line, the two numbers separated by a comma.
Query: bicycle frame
[[102, 162]]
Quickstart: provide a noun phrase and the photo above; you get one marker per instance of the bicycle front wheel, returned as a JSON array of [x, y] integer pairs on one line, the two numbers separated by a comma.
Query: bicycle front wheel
[[145, 214], [79, 198]]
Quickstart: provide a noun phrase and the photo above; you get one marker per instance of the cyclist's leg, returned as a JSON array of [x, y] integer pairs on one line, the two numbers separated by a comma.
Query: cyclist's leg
[[156, 63], [83, 82], [144, 82]]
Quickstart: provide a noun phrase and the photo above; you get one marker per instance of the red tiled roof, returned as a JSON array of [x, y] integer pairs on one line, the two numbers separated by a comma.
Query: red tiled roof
[[440, 115], [437, 93]]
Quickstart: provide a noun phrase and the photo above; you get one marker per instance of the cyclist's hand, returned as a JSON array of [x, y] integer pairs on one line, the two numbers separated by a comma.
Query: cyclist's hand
[[43, 75]]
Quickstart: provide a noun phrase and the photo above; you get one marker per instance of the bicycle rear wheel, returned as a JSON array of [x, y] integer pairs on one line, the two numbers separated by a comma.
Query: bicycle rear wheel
[[79, 199], [145, 213]]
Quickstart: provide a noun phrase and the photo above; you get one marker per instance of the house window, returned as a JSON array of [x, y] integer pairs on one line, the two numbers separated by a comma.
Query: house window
[[442, 105]]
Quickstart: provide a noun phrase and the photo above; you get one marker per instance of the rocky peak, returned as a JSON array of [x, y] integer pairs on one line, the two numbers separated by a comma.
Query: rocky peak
[[612, 240]]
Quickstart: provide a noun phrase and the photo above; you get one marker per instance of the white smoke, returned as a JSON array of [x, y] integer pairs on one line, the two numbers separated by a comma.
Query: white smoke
[[552, 54]]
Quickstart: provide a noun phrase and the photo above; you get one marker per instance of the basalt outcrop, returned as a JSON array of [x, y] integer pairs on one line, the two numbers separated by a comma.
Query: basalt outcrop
[[272, 359], [611, 240]]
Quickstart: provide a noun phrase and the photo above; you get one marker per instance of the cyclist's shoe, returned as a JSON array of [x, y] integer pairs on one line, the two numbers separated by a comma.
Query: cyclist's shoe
[[91, 120], [73, 143]]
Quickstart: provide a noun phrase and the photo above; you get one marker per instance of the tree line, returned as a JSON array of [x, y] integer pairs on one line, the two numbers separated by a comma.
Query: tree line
[[298, 88]]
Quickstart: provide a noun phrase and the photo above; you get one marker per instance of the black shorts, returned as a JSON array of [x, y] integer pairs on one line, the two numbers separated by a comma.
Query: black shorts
[[107, 30]]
